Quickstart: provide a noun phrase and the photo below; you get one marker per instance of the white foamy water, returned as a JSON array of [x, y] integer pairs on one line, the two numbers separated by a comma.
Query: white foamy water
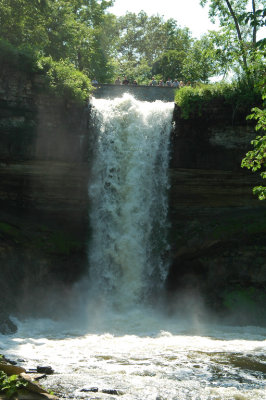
[[168, 359], [117, 340], [128, 198]]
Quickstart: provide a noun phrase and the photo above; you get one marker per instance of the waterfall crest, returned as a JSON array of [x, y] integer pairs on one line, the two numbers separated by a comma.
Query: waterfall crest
[[128, 197]]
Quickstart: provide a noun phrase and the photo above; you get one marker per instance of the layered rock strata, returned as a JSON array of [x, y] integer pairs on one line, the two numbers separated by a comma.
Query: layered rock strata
[[218, 227]]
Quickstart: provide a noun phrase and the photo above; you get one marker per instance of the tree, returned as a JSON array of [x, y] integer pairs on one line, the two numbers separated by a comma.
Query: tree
[[170, 64], [62, 29], [27, 19], [241, 26], [144, 44], [201, 62], [256, 159]]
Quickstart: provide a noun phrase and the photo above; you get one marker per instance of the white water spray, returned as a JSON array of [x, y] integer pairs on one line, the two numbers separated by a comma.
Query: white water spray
[[128, 194]]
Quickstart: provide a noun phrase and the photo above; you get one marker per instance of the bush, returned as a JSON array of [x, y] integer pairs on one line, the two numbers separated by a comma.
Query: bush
[[192, 100], [64, 80]]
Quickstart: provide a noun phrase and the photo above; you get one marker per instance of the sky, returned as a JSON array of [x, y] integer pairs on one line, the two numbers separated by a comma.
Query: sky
[[188, 13]]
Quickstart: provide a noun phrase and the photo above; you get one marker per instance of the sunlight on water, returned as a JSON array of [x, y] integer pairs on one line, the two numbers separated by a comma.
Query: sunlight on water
[[169, 366]]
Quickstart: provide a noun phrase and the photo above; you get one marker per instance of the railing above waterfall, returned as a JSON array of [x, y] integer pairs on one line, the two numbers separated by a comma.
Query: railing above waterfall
[[140, 92]]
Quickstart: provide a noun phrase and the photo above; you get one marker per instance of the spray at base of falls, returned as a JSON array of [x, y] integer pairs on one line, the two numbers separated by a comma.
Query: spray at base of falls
[[128, 194]]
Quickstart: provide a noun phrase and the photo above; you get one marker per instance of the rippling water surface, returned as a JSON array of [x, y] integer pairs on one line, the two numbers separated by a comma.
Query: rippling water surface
[[143, 355]]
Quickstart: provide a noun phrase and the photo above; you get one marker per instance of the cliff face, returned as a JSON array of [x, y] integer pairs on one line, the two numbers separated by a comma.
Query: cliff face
[[217, 226], [44, 171]]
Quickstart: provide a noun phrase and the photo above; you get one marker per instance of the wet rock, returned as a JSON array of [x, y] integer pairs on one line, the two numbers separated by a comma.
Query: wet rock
[[45, 370], [36, 377], [92, 389], [113, 392], [10, 369], [5, 360], [31, 385], [7, 327], [8, 361]]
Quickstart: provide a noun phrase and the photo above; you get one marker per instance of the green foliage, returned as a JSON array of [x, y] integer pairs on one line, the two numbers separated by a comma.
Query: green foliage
[[23, 58], [193, 100], [237, 40], [146, 46], [64, 80], [62, 76], [68, 30], [9, 385], [256, 159], [170, 64]]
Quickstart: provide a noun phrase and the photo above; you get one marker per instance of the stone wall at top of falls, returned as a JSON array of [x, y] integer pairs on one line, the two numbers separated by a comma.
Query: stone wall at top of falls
[[143, 93], [217, 233]]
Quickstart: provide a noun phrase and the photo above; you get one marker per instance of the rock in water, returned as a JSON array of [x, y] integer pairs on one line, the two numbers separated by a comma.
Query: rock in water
[[45, 370], [92, 389], [113, 392]]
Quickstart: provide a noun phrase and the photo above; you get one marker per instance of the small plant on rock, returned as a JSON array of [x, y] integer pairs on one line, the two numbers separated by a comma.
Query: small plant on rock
[[9, 385]]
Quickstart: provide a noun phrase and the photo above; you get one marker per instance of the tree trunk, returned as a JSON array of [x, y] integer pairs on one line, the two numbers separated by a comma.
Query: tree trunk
[[240, 39], [255, 23]]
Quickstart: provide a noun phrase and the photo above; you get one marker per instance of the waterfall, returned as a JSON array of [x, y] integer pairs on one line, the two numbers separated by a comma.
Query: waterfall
[[128, 198]]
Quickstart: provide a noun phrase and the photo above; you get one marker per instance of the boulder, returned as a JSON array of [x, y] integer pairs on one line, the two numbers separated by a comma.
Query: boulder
[[10, 369], [31, 385], [45, 370]]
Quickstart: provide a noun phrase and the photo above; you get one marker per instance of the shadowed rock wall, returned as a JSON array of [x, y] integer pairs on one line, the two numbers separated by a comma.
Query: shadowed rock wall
[[218, 227], [44, 172]]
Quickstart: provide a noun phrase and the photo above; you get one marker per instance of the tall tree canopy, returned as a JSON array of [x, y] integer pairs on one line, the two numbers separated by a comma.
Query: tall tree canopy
[[61, 29], [240, 27], [146, 46]]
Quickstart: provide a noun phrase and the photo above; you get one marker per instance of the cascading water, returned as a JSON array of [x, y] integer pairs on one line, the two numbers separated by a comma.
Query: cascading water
[[128, 350], [128, 197]]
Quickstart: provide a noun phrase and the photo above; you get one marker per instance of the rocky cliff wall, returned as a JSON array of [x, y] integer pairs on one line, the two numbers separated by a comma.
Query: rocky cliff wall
[[44, 172], [218, 227]]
